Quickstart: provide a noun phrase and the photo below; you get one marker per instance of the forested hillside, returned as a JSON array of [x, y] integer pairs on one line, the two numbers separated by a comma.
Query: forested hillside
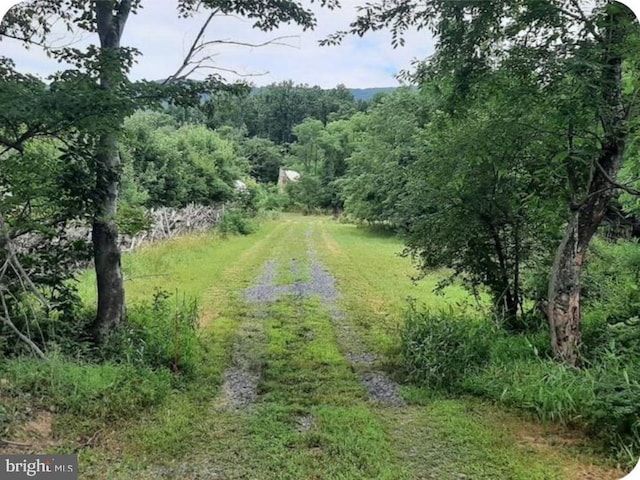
[[460, 251], [359, 94]]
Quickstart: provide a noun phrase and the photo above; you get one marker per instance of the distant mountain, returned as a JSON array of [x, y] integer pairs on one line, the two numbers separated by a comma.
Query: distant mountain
[[369, 93], [358, 93]]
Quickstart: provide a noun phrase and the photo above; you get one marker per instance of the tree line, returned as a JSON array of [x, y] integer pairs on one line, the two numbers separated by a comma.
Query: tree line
[[512, 153]]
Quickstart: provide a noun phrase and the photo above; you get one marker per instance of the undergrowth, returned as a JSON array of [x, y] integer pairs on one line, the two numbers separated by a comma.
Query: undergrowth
[[103, 392], [444, 351], [136, 367]]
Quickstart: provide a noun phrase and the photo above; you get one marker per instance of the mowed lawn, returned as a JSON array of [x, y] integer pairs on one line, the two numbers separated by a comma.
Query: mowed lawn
[[312, 418]]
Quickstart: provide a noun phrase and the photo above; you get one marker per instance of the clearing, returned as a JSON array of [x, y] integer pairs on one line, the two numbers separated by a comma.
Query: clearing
[[301, 321]]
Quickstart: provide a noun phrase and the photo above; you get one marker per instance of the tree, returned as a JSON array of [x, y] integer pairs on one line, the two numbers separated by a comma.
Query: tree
[[379, 166], [42, 192], [265, 158], [175, 166], [104, 67], [307, 146], [477, 200], [551, 40], [273, 111], [338, 143]]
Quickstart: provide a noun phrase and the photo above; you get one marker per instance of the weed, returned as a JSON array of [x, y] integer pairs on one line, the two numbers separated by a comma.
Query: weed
[[235, 222], [159, 334], [441, 348], [103, 392]]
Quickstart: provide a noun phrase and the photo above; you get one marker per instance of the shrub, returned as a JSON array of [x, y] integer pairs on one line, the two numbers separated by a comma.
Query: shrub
[[600, 339], [440, 348], [159, 335], [552, 390], [614, 413], [234, 222], [132, 220], [270, 199], [307, 194], [514, 347], [610, 284]]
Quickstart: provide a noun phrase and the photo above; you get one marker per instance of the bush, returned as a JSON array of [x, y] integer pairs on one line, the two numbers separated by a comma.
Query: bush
[[132, 220], [610, 284], [552, 390], [234, 222], [507, 348], [600, 339], [270, 199], [307, 195], [614, 413], [440, 348], [159, 335]]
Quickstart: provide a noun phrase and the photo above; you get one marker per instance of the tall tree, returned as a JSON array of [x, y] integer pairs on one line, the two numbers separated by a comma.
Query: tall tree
[[111, 19], [551, 40], [106, 67]]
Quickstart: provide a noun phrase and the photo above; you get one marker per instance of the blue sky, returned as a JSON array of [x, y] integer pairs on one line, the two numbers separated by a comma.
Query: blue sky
[[163, 39]]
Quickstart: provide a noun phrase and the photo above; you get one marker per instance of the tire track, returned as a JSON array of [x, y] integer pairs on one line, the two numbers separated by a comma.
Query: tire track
[[379, 386]]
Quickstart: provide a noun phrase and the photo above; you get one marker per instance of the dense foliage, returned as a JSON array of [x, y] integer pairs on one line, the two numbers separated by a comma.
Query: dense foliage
[[519, 141]]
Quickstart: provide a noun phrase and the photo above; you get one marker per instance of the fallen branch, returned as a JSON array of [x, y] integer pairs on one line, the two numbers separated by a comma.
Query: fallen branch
[[17, 444], [12, 261]]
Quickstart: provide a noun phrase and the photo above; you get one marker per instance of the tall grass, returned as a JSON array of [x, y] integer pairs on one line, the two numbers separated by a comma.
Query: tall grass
[[443, 350], [102, 392]]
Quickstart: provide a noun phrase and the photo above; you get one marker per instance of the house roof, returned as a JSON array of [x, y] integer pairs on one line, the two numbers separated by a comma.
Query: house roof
[[291, 175]]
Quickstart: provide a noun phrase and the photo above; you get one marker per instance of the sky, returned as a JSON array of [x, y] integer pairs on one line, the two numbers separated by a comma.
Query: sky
[[164, 38]]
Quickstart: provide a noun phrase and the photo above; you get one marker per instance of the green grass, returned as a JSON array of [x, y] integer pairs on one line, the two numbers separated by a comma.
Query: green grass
[[312, 418], [463, 442], [309, 379], [101, 392], [377, 282], [188, 265]]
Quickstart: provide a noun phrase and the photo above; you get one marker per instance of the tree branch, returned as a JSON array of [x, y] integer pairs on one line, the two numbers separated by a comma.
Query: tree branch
[[25, 40], [626, 188], [188, 58], [273, 41], [15, 263], [7, 321], [588, 24], [199, 45]]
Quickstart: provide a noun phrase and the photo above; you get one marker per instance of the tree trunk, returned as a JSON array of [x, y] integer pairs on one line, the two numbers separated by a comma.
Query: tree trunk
[[505, 293], [563, 309], [111, 18], [106, 251], [564, 296]]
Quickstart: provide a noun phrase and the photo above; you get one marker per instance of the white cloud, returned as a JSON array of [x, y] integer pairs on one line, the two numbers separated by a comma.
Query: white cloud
[[5, 5], [163, 39]]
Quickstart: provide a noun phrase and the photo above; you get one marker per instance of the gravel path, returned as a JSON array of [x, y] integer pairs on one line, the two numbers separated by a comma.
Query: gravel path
[[241, 379], [240, 382], [380, 387]]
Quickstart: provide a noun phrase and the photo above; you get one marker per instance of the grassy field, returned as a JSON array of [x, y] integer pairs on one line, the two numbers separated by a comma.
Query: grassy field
[[311, 417]]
